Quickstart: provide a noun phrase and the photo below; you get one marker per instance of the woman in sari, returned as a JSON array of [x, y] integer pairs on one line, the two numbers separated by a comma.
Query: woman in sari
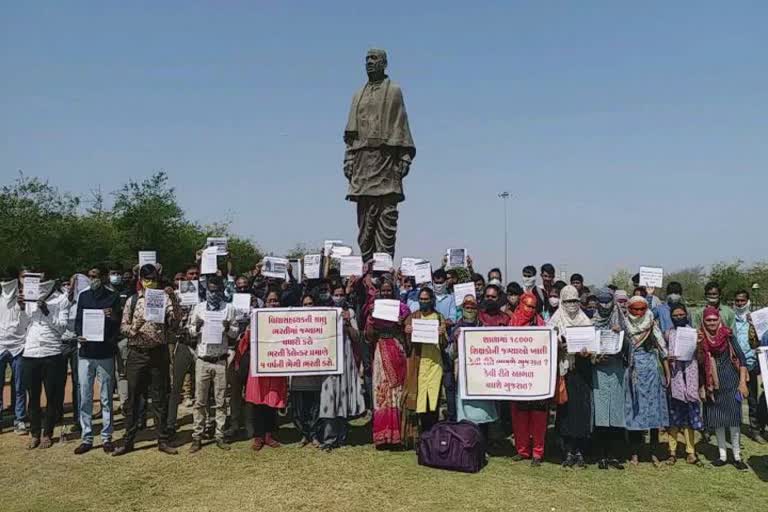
[[684, 402], [480, 412], [341, 396], [574, 411], [389, 366], [425, 371], [529, 419], [263, 395], [646, 379], [724, 367], [608, 385]]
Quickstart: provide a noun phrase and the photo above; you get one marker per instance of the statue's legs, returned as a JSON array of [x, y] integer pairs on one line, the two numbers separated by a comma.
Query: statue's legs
[[377, 222]]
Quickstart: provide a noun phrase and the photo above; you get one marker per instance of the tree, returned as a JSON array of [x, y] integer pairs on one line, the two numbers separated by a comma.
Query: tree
[[622, 280], [692, 280], [731, 277]]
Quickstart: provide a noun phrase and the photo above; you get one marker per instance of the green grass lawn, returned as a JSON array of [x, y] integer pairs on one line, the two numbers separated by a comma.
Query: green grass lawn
[[353, 478]]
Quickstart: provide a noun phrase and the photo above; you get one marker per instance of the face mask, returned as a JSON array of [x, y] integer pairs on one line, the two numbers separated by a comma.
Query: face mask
[[425, 307], [606, 308], [324, 296], [339, 301], [439, 288], [149, 284], [403, 295], [469, 315], [674, 298], [571, 307], [529, 282], [214, 299], [554, 301], [590, 313], [679, 322], [743, 310], [495, 281], [242, 290], [116, 280], [713, 301]]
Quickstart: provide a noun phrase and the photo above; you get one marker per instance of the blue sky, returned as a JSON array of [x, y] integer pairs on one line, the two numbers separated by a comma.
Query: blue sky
[[628, 133]]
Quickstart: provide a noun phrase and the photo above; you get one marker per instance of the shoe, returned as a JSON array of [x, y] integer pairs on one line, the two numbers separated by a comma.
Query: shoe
[[257, 444], [164, 447], [271, 441], [580, 462], [671, 460], [615, 464], [45, 442], [535, 463], [108, 447], [603, 464], [634, 460], [83, 448], [222, 445], [21, 429], [127, 447], [196, 446], [33, 443], [517, 457], [655, 461], [740, 465], [692, 459], [569, 461], [719, 463]]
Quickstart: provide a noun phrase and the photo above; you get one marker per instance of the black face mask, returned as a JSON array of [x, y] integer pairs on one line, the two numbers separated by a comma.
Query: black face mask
[[243, 290], [680, 322]]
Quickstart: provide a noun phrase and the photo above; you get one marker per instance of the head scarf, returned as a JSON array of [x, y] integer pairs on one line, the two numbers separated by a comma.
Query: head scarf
[[522, 316], [607, 317], [713, 344], [563, 319]]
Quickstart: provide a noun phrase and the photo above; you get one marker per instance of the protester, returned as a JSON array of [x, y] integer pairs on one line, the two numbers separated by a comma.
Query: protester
[[663, 312], [574, 412], [622, 299], [445, 304], [479, 281], [42, 362], [389, 366], [263, 395], [425, 370], [305, 397], [514, 291], [746, 337], [608, 385], [646, 380], [577, 281], [725, 372], [529, 419], [147, 363], [96, 359], [712, 294], [684, 402], [491, 314], [14, 322], [529, 285]]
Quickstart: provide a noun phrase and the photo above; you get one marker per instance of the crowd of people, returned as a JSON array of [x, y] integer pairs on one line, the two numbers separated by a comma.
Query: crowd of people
[[609, 409]]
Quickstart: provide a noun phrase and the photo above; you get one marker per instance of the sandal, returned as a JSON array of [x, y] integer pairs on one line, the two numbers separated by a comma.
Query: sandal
[[671, 460], [693, 460]]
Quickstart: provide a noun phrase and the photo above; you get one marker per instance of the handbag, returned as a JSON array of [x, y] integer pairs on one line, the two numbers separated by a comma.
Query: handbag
[[455, 446]]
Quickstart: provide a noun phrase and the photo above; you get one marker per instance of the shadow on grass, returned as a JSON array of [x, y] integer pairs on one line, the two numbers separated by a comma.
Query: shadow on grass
[[759, 465]]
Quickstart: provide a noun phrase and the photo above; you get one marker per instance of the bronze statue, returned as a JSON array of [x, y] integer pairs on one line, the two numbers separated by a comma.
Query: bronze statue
[[378, 156]]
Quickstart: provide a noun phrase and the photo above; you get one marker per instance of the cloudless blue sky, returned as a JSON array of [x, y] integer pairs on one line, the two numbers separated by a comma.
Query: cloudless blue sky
[[628, 133]]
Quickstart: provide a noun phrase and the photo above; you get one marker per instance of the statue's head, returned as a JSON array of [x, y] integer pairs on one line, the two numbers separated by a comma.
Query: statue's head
[[375, 63]]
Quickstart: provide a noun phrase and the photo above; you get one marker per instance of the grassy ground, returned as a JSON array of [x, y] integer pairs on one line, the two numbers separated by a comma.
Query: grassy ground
[[352, 478]]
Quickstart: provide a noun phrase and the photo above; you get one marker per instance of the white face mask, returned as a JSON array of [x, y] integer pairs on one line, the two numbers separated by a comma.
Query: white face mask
[[497, 282], [742, 311], [554, 301], [529, 282]]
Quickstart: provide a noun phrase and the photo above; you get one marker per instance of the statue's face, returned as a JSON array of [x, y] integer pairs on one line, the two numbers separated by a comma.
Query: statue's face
[[375, 63]]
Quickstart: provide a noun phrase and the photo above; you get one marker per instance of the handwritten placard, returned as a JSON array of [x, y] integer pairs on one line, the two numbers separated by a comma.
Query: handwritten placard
[[297, 341], [652, 277], [507, 363]]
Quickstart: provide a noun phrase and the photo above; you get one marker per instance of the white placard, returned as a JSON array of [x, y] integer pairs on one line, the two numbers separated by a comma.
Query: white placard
[[213, 327], [425, 331], [684, 341], [610, 342], [339, 251], [651, 277], [147, 258], [461, 290], [154, 306], [423, 273], [188, 293], [81, 283], [208, 261], [762, 357], [382, 262], [328, 245], [93, 324], [578, 338], [457, 258], [242, 303], [386, 309], [312, 264], [275, 267], [31, 285], [351, 266], [408, 266], [760, 321], [222, 243], [295, 268]]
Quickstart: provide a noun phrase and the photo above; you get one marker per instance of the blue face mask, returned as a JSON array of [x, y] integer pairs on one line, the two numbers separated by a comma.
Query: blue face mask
[[425, 307]]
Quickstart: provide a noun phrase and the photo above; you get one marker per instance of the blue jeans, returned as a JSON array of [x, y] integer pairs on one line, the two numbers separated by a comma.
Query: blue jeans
[[20, 410], [88, 370]]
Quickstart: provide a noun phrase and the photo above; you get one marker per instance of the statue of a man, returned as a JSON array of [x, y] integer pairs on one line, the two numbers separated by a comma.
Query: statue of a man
[[378, 156]]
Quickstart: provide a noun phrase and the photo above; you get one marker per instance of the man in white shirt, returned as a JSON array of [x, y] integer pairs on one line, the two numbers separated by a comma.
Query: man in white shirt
[[13, 329], [213, 322], [42, 361]]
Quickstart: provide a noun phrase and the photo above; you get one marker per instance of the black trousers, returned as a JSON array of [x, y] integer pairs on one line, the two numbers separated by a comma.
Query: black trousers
[[184, 358], [39, 373], [261, 419], [449, 385], [637, 437], [608, 442], [147, 372], [753, 400]]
